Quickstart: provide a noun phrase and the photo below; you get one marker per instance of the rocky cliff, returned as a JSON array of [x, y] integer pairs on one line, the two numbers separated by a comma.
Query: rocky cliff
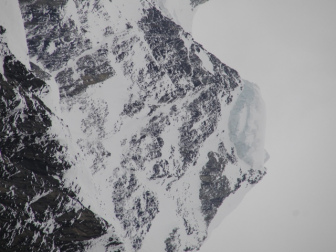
[[120, 132]]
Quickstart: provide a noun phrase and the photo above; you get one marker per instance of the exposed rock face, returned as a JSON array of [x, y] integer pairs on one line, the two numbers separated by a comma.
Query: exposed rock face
[[119, 135], [214, 186], [37, 213], [195, 3]]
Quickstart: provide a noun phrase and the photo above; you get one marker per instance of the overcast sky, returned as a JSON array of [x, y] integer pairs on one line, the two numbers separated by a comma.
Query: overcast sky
[[288, 48]]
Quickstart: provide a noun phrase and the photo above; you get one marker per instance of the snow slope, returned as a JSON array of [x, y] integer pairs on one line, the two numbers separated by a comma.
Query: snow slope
[[11, 20], [158, 132]]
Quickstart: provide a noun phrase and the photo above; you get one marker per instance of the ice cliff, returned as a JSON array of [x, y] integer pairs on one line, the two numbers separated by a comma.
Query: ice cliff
[[119, 132]]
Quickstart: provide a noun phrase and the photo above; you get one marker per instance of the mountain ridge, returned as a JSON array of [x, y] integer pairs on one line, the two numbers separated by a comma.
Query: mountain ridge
[[142, 113]]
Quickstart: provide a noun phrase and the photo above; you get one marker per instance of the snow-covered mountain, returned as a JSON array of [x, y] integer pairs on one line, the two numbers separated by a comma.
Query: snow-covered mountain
[[119, 132]]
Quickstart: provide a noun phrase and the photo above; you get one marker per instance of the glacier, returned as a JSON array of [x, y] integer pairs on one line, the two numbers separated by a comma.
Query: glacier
[[144, 135]]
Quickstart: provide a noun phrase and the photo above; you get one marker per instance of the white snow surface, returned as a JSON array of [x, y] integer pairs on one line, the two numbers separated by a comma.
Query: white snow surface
[[180, 11], [11, 20], [94, 181]]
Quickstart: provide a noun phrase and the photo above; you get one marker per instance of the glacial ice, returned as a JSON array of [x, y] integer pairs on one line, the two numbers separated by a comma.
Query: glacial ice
[[247, 123]]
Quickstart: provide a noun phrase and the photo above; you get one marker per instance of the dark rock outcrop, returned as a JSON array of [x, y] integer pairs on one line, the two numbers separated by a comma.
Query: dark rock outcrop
[[146, 111], [36, 212]]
